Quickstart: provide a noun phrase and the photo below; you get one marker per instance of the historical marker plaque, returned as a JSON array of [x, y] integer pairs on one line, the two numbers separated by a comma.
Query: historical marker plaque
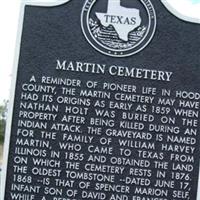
[[106, 104]]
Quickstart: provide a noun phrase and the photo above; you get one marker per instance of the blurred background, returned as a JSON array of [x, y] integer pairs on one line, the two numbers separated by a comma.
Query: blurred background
[[9, 17]]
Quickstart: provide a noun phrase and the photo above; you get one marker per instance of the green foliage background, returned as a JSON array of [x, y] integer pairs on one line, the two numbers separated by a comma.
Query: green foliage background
[[3, 114]]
